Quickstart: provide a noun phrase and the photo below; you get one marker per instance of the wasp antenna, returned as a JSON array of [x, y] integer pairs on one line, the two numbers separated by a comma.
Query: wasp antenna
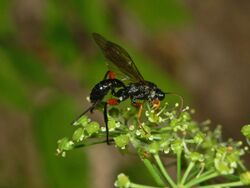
[[82, 114], [180, 97]]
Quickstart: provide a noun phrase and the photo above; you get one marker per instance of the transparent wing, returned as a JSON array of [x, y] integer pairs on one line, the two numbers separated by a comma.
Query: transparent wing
[[118, 58]]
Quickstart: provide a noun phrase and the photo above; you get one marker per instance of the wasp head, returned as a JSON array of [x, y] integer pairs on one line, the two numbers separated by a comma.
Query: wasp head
[[156, 93], [159, 94]]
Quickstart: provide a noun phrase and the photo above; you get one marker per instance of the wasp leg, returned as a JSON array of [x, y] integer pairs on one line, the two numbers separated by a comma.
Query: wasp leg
[[113, 101], [91, 108], [106, 123], [109, 75], [140, 106], [156, 104], [110, 102]]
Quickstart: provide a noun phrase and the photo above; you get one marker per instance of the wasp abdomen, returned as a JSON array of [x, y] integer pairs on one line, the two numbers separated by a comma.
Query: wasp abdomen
[[102, 88]]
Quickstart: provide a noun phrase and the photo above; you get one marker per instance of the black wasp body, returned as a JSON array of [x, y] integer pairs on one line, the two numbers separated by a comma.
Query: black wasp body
[[101, 89], [131, 85], [134, 91], [144, 91]]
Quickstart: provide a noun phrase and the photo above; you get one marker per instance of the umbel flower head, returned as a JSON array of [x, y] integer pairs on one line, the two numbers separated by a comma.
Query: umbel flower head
[[166, 131]]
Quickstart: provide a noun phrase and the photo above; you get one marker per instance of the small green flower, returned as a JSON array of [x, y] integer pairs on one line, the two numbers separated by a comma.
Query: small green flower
[[195, 156], [78, 135], [174, 123], [84, 120], [64, 144], [112, 123], [177, 146], [186, 116], [154, 117], [245, 178], [122, 181], [199, 138], [227, 158], [164, 143], [223, 167], [92, 127], [246, 131], [154, 147], [121, 141], [171, 133], [143, 132], [217, 132]]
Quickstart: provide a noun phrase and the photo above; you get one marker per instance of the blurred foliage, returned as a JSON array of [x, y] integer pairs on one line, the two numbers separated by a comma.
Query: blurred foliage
[[6, 27], [12, 88], [165, 13], [65, 26], [49, 122]]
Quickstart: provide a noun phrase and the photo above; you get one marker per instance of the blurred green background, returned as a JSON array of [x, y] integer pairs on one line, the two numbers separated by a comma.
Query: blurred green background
[[49, 62]]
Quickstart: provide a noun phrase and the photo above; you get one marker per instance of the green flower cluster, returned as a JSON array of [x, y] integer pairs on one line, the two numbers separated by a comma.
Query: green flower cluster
[[246, 132], [200, 152], [86, 129]]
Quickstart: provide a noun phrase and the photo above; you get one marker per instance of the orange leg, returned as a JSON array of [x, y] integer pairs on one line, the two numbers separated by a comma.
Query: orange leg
[[111, 75], [140, 105], [156, 104], [113, 102]]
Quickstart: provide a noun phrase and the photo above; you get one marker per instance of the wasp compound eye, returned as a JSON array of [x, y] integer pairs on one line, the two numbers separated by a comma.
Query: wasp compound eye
[[160, 95]]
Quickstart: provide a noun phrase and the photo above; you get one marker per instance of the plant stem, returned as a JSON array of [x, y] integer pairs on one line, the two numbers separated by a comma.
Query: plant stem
[[232, 184], [193, 174], [201, 179], [242, 166], [154, 172], [163, 171], [178, 167], [205, 173], [189, 168], [90, 143], [135, 185]]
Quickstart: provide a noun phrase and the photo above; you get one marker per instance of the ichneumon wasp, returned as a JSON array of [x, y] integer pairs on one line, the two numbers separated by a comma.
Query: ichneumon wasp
[[136, 89]]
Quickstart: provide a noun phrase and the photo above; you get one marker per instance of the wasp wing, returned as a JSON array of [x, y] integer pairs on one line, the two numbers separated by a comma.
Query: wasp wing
[[118, 57]]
